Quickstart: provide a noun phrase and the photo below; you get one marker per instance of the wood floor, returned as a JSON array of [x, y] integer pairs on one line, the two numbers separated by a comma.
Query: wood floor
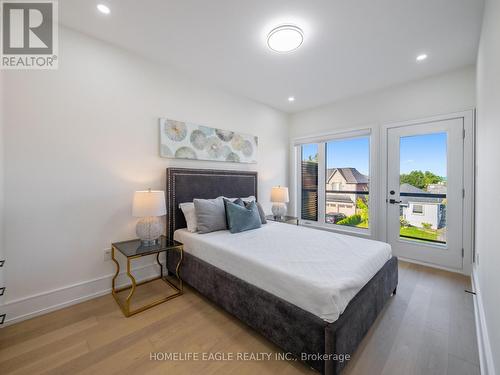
[[427, 328]]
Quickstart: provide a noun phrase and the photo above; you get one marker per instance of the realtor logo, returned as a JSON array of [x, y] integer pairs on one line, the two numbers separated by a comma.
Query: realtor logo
[[29, 34]]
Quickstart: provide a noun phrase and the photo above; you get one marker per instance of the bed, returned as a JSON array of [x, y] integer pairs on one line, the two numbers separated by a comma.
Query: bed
[[247, 281]]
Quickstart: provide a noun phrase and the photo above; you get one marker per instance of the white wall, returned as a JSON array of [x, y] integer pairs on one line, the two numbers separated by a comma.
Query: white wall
[[80, 140], [442, 94], [488, 175], [2, 243], [447, 93]]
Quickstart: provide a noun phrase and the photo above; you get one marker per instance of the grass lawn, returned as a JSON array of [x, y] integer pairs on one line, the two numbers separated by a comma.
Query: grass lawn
[[424, 234], [363, 224]]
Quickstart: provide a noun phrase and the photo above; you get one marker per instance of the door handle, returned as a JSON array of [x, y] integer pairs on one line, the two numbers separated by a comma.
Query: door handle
[[393, 201]]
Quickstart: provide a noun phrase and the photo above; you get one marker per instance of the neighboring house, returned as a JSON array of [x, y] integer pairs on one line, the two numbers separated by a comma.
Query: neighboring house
[[437, 188], [348, 180], [420, 210]]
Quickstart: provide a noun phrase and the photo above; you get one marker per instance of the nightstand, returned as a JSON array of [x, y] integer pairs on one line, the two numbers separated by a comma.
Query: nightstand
[[284, 219], [133, 249]]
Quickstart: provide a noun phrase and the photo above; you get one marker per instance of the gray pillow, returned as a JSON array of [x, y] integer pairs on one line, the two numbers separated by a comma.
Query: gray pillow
[[210, 214], [242, 218], [261, 213]]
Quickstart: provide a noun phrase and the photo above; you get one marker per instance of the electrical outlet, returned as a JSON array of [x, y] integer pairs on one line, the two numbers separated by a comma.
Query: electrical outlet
[[107, 254]]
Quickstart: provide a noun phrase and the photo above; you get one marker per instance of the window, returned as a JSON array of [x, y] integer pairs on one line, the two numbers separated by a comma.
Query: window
[[347, 181], [418, 209], [335, 181], [309, 182]]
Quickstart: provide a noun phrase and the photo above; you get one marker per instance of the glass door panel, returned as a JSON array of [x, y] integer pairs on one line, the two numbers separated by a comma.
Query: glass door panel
[[423, 186], [424, 197]]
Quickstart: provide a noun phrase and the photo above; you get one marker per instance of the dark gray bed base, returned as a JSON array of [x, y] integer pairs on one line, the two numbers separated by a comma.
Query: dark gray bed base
[[292, 329]]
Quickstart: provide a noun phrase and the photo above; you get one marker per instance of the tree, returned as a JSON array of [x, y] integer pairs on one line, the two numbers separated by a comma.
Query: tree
[[403, 222], [414, 178], [420, 179], [362, 207], [352, 221], [431, 178], [313, 158]]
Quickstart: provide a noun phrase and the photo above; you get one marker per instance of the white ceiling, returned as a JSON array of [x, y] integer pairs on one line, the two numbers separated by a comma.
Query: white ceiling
[[350, 46]]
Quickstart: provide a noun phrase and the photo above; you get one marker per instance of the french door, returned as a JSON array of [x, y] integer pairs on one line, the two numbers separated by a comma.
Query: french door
[[425, 191]]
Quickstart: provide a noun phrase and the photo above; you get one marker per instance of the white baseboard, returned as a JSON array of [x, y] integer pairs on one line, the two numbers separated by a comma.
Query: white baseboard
[[43, 303], [483, 341], [432, 265]]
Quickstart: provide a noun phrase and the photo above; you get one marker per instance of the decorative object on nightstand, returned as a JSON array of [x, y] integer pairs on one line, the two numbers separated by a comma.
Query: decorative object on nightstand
[[149, 205], [284, 219], [279, 198], [134, 249]]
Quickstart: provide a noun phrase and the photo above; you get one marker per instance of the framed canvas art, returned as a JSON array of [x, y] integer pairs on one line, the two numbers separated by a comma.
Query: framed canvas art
[[183, 140]]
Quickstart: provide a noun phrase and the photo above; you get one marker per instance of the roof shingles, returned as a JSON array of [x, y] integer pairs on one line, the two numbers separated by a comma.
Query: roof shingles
[[351, 175]]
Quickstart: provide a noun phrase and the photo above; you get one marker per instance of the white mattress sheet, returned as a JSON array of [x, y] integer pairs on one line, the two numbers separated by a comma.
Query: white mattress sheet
[[318, 271]]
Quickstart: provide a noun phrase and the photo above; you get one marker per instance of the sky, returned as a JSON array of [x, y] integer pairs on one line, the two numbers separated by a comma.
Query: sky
[[309, 151], [353, 153], [349, 153], [424, 153], [421, 152]]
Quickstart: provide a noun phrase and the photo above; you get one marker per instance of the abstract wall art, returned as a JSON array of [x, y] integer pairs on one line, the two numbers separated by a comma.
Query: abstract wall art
[[184, 140]]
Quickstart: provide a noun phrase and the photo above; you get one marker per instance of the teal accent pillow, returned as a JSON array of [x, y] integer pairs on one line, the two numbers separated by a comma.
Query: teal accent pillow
[[237, 201], [241, 218], [241, 202]]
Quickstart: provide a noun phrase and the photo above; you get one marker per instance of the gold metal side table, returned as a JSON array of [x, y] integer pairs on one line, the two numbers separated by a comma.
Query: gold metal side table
[[133, 249]]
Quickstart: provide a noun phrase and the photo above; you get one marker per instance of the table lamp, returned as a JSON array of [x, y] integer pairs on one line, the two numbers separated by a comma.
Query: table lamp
[[279, 196], [149, 205]]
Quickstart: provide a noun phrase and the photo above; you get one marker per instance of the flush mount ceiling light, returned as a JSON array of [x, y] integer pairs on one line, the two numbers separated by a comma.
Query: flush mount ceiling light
[[104, 9], [291, 99], [285, 38], [422, 57]]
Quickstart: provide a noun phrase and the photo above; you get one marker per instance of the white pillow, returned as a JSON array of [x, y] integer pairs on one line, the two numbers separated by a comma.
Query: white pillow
[[251, 198], [190, 216]]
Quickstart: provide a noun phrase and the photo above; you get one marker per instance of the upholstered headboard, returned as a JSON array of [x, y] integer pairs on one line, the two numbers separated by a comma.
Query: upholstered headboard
[[183, 185]]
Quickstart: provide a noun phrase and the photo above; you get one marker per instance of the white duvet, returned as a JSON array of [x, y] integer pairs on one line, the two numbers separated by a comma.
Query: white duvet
[[318, 271]]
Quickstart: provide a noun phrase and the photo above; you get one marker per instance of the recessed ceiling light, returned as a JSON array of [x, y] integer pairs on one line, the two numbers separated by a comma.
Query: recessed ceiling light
[[421, 57], [291, 99], [103, 9], [285, 38]]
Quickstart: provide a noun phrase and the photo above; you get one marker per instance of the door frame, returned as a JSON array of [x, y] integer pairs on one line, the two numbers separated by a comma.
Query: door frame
[[468, 173]]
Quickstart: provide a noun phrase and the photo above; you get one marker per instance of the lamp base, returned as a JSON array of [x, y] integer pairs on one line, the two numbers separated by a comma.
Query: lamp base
[[279, 210], [149, 229], [148, 243]]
